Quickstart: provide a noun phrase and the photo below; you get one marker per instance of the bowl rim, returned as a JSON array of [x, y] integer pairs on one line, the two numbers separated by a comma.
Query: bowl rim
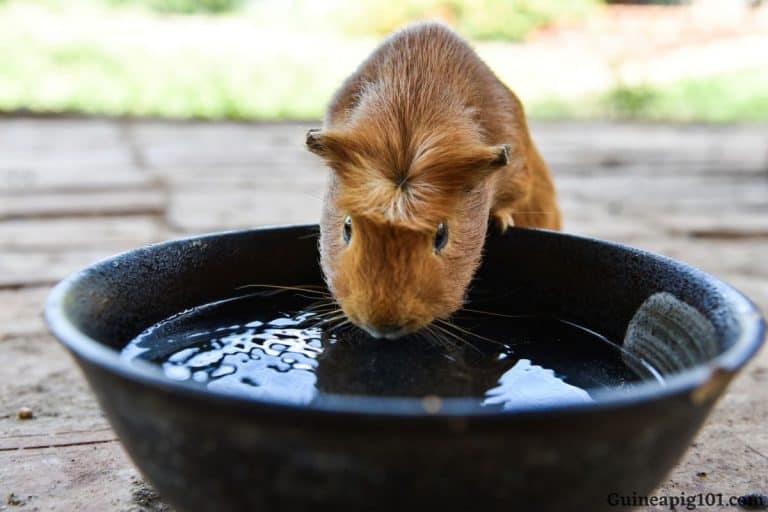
[[747, 315]]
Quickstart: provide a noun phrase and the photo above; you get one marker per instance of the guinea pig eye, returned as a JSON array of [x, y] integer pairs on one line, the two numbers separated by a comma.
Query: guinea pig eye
[[441, 237], [347, 232]]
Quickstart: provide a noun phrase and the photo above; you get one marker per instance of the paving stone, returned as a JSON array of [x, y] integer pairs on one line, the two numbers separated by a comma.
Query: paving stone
[[68, 233], [79, 204], [74, 191], [216, 209], [34, 268], [21, 312]]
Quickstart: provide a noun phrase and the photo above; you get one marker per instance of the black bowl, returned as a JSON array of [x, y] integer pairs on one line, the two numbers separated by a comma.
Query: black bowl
[[212, 451]]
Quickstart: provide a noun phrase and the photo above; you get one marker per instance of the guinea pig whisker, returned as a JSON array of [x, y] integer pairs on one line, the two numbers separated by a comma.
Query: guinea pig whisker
[[427, 335], [440, 340], [467, 332], [351, 334], [343, 329], [482, 296], [323, 320], [434, 341], [327, 314], [448, 342], [309, 289], [462, 341], [310, 235], [491, 313], [339, 325], [322, 300], [319, 307], [442, 331], [323, 314], [322, 303], [332, 315], [326, 321]]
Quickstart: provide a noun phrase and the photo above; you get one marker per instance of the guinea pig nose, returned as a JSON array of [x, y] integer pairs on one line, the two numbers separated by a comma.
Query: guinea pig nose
[[388, 331]]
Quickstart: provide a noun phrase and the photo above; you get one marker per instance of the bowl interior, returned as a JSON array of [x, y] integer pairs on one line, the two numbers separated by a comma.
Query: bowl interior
[[681, 319]]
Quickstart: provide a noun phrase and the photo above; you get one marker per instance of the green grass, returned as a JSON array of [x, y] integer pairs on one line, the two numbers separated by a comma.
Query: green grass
[[732, 97], [85, 56], [183, 6], [481, 20], [96, 60], [115, 82]]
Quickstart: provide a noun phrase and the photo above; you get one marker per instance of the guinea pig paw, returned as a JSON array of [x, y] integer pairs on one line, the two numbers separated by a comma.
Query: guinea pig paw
[[504, 220]]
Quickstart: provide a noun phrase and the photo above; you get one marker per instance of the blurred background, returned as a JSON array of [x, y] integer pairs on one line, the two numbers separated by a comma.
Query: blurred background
[[703, 60], [126, 122]]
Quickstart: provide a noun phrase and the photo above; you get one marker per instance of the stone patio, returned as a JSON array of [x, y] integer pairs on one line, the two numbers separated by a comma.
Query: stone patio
[[75, 190]]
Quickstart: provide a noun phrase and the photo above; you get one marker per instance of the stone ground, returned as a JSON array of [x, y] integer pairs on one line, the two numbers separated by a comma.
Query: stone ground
[[74, 190]]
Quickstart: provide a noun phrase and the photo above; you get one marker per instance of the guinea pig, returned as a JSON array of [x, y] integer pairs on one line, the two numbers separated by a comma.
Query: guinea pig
[[425, 145]]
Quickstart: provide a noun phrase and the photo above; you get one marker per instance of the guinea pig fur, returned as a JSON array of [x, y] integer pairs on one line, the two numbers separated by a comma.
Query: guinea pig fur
[[424, 145]]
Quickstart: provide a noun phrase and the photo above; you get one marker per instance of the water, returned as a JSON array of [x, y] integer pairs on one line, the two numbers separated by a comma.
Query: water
[[260, 347]]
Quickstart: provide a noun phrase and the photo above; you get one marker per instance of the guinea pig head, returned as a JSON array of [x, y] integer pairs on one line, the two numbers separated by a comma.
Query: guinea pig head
[[403, 227]]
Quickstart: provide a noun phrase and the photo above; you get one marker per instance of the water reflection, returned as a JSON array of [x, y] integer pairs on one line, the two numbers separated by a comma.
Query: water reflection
[[275, 355], [527, 384]]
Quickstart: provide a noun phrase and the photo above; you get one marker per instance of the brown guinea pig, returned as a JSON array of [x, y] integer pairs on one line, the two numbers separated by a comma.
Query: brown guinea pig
[[424, 144]]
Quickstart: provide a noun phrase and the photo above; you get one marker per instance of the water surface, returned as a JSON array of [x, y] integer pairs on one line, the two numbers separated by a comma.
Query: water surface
[[269, 347]]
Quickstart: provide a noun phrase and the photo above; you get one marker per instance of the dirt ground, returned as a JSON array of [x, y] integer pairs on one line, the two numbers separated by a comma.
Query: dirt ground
[[72, 191]]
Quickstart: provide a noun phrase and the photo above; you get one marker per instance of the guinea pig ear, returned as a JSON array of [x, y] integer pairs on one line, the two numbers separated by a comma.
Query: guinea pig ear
[[316, 143], [500, 156], [333, 146]]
